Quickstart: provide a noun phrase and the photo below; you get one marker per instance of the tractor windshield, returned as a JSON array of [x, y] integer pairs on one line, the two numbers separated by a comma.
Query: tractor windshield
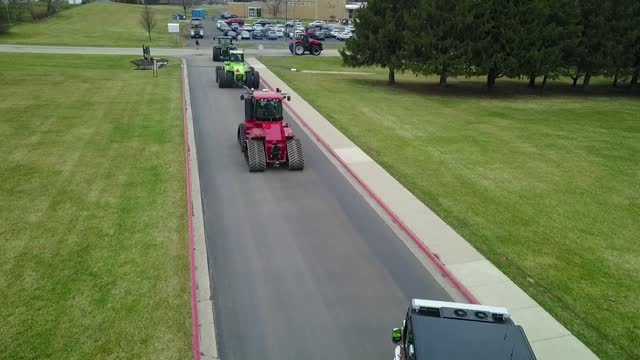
[[268, 110], [225, 41], [236, 57]]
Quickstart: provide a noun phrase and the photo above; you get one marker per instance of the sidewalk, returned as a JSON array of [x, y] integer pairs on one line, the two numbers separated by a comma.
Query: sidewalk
[[178, 52], [549, 339]]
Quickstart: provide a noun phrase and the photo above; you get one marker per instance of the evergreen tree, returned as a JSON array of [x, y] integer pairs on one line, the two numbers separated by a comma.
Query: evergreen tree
[[596, 41], [380, 27], [548, 31], [495, 36], [438, 38]]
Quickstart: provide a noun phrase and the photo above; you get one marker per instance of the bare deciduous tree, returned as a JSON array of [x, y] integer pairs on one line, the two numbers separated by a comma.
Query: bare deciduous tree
[[275, 6], [148, 20]]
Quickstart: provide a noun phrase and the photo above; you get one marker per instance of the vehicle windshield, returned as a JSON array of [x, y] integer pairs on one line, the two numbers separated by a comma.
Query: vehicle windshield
[[225, 41], [236, 57], [268, 110]]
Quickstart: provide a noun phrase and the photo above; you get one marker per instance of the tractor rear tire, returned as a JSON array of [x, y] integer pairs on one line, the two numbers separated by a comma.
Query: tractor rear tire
[[256, 158], [298, 49], [218, 72], [229, 80], [315, 50], [216, 54], [248, 81], [294, 153], [256, 80], [222, 81], [241, 134]]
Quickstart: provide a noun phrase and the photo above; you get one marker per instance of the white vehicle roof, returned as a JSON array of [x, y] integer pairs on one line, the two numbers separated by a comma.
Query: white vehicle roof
[[418, 304]]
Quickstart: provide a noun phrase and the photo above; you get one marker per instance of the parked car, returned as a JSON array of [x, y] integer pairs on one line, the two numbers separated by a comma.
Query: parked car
[[279, 32], [257, 35], [318, 35], [219, 24], [257, 27], [271, 35], [336, 31], [238, 21], [245, 35], [318, 22], [263, 22], [232, 33], [344, 35]]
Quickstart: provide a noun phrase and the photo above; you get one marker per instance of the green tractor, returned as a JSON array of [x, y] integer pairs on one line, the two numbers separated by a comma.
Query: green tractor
[[235, 73], [222, 48]]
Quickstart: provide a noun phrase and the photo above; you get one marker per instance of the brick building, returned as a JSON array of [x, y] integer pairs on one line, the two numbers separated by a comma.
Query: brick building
[[291, 9]]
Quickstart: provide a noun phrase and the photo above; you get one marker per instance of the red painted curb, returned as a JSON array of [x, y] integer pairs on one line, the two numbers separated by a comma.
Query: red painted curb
[[195, 340], [396, 219]]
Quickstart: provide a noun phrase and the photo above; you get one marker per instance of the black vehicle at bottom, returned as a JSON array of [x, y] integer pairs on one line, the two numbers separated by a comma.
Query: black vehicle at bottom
[[439, 330]]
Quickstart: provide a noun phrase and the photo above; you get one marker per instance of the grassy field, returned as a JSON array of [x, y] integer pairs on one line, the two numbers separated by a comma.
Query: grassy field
[[101, 24], [93, 238], [547, 187]]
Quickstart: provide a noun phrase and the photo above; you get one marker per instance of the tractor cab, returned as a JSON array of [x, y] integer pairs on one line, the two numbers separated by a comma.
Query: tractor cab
[[236, 57], [225, 41], [264, 137], [440, 330], [263, 105], [304, 38]]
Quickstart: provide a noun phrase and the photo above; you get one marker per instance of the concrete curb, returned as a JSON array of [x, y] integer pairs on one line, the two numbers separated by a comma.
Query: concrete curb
[[204, 342], [434, 238]]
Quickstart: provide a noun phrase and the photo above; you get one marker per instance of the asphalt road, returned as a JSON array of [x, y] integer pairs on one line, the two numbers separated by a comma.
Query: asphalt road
[[301, 265]]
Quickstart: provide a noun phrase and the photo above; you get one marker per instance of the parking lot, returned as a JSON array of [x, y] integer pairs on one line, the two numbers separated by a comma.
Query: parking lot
[[211, 31]]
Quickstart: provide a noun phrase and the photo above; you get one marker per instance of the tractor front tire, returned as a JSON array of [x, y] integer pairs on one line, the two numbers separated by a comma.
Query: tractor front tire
[[256, 158], [294, 153], [241, 134], [315, 50], [298, 49]]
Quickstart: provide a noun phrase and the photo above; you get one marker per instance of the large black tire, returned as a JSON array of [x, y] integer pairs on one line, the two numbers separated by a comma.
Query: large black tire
[[248, 80], [298, 49], [222, 81], [294, 153], [228, 79], [256, 159], [241, 134], [216, 54], [256, 80], [315, 50], [218, 72]]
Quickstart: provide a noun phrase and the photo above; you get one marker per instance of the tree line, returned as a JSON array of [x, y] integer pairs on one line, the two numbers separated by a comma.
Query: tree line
[[16, 11], [534, 39]]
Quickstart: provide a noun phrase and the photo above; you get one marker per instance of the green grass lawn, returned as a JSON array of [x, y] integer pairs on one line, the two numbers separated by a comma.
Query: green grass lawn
[[93, 239], [101, 24], [547, 187]]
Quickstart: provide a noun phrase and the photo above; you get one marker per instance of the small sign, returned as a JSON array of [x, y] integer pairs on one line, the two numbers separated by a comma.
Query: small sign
[[174, 28], [260, 47]]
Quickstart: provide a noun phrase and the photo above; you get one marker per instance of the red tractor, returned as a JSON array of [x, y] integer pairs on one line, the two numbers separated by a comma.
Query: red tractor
[[264, 138], [302, 43]]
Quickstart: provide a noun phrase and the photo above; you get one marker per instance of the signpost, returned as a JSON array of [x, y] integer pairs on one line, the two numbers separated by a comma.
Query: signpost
[[174, 28]]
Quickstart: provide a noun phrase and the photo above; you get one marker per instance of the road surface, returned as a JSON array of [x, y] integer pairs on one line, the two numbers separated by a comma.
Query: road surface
[[205, 49], [301, 266]]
